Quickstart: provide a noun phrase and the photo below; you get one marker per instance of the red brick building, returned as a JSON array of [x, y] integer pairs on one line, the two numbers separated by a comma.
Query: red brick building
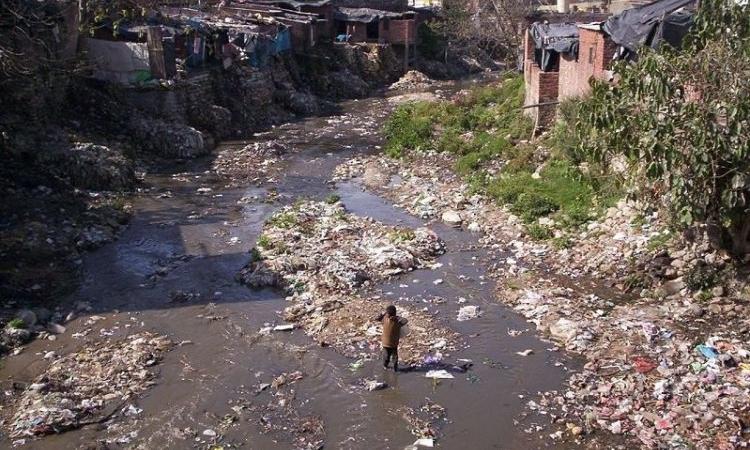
[[541, 87], [595, 53]]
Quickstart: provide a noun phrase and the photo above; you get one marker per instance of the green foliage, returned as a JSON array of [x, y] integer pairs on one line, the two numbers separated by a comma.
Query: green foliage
[[562, 242], [283, 220], [17, 323], [255, 254], [681, 118], [659, 241], [560, 187], [701, 277], [430, 44], [482, 122], [264, 241], [538, 232], [332, 199], [402, 235]]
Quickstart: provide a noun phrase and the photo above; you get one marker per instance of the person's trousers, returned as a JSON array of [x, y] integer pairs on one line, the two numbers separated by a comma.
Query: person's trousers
[[388, 354]]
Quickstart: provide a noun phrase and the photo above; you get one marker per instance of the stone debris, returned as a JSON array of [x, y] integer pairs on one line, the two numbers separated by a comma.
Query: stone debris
[[324, 257], [644, 378], [83, 387]]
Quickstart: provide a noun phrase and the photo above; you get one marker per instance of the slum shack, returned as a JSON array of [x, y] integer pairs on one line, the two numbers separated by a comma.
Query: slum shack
[[230, 36], [133, 53], [303, 27], [376, 26], [322, 10], [543, 45]]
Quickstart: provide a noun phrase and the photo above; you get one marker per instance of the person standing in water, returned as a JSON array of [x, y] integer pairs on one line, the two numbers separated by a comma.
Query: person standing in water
[[392, 325]]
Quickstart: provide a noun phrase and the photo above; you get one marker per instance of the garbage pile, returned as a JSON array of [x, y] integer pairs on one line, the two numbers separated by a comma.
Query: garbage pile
[[424, 422], [88, 386], [279, 415], [667, 364], [252, 163], [411, 80], [323, 257]]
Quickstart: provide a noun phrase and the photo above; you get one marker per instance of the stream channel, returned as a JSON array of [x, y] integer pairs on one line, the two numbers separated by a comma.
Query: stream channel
[[204, 237]]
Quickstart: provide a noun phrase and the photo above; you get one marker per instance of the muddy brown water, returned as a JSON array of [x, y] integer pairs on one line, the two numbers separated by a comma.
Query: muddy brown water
[[192, 234]]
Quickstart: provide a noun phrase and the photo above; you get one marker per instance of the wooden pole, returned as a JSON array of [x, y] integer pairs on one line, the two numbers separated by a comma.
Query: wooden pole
[[156, 53]]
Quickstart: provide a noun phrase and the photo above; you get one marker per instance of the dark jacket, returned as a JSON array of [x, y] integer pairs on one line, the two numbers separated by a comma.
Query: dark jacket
[[391, 329]]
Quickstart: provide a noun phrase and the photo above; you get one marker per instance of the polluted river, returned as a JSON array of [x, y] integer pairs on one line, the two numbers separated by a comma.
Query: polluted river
[[227, 384]]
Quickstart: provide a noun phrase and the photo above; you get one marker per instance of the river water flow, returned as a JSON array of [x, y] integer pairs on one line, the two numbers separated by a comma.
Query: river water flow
[[203, 238]]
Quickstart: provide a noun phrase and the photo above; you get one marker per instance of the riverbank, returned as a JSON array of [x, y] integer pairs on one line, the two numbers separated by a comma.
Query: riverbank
[[659, 316]]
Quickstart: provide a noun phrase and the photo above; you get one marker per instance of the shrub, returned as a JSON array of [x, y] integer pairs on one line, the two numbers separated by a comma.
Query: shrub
[[680, 117], [702, 276]]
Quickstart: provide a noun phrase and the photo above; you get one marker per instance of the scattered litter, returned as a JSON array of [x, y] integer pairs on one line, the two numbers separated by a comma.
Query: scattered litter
[[439, 374], [285, 327], [468, 312], [526, 352], [374, 385]]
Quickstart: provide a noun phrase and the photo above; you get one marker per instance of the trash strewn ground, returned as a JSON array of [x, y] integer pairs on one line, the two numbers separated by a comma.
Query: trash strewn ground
[[89, 386], [326, 258], [412, 79], [661, 320]]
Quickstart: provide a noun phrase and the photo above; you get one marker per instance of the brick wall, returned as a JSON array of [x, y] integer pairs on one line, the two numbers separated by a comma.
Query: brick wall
[[594, 56], [396, 31], [540, 87]]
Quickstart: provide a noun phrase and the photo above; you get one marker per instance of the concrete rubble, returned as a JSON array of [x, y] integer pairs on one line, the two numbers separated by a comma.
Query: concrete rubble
[[646, 309], [88, 386], [326, 258]]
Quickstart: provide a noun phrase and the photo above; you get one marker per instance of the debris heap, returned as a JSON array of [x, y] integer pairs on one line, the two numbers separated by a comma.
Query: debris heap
[[88, 386], [325, 257]]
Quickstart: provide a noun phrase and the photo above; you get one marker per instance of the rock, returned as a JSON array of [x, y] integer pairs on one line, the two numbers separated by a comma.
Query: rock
[[474, 227], [696, 310], [674, 286], [452, 218], [43, 315], [16, 336], [55, 328], [375, 177], [28, 317], [717, 291]]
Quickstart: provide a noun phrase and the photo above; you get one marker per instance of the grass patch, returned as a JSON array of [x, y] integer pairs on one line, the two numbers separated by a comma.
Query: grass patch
[[560, 189], [659, 241], [332, 199], [538, 232], [264, 241], [283, 220], [401, 235], [17, 324]]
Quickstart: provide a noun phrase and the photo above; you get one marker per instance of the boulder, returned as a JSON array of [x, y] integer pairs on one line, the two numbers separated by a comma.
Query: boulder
[[452, 218]]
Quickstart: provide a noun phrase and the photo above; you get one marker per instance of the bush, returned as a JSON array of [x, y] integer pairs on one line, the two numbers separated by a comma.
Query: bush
[[332, 199], [701, 277], [530, 206]]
